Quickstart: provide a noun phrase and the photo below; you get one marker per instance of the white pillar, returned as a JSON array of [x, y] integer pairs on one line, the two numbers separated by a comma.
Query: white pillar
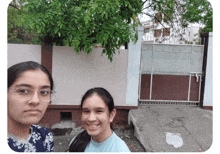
[[208, 80], [134, 57]]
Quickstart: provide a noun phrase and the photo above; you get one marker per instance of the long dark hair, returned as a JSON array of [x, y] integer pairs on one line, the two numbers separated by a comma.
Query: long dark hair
[[15, 71], [81, 141]]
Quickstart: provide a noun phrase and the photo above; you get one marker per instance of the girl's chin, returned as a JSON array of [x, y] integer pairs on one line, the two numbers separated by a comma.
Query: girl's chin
[[93, 134], [92, 131], [31, 121]]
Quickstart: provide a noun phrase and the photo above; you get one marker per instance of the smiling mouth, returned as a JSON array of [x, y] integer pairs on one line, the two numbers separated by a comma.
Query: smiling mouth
[[92, 126]]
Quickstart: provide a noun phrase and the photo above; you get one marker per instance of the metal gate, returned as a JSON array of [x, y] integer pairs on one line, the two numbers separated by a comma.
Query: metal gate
[[170, 74]]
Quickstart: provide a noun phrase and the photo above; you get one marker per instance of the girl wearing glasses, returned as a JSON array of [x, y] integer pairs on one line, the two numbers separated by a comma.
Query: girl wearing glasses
[[30, 88], [97, 114]]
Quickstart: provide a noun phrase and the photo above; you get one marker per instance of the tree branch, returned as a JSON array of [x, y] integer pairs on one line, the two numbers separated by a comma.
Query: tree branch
[[147, 6], [148, 15], [155, 18], [14, 6], [145, 1]]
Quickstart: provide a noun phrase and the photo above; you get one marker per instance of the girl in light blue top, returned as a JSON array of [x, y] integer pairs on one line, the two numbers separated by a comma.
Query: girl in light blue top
[[97, 114]]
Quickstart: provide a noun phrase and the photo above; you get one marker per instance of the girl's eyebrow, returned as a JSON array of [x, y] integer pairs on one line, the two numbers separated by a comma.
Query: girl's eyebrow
[[98, 108], [23, 85], [27, 85], [45, 87]]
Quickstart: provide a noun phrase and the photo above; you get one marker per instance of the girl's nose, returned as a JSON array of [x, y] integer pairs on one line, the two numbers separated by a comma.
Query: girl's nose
[[92, 117], [35, 99]]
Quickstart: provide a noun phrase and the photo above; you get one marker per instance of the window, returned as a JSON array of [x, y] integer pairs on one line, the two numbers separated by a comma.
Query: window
[[166, 32], [158, 16], [167, 16], [146, 30], [157, 32]]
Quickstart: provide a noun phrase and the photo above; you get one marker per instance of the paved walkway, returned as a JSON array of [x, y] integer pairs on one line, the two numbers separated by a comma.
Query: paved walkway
[[169, 128]]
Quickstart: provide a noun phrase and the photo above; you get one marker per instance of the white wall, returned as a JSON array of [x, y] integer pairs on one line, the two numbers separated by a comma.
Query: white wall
[[74, 74], [208, 94], [23, 52]]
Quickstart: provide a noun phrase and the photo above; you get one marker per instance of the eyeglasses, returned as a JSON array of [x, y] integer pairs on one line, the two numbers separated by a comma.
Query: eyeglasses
[[26, 94]]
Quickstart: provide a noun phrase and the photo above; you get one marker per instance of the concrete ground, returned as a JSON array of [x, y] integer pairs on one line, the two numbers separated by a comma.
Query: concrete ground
[[172, 128], [156, 128]]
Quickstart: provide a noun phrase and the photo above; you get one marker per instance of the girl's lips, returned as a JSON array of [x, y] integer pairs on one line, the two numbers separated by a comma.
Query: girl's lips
[[32, 111], [92, 126]]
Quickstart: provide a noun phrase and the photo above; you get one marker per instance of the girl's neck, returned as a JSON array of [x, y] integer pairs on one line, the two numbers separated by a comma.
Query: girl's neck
[[17, 129], [103, 136]]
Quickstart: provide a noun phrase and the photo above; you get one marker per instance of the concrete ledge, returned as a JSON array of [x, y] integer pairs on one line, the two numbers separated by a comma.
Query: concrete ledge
[[137, 134]]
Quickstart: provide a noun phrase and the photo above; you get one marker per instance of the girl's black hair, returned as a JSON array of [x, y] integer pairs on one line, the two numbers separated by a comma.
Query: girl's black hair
[[103, 93], [15, 71], [81, 141]]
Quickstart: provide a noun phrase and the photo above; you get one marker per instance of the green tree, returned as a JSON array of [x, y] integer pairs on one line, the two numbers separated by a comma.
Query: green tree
[[16, 32], [83, 23], [200, 11]]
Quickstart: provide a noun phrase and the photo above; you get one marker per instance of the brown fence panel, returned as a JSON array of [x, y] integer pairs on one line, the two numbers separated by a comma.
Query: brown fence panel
[[170, 87]]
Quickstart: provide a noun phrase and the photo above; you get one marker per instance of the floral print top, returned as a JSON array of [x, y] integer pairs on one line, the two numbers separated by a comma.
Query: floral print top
[[40, 140]]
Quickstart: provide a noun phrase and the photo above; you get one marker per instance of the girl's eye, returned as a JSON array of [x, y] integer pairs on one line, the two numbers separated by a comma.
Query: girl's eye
[[45, 92], [99, 111], [23, 91]]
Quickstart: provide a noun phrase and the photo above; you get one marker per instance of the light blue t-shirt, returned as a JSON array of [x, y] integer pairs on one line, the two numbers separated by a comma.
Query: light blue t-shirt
[[112, 144]]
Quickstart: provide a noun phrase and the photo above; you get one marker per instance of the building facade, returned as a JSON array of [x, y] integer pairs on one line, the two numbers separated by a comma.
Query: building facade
[[154, 32]]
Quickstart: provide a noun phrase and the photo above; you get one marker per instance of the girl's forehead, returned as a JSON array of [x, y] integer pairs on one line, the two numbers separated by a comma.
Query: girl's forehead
[[32, 78], [94, 101]]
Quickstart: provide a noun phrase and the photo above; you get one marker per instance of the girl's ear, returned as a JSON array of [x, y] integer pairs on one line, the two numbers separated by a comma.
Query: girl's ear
[[112, 115]]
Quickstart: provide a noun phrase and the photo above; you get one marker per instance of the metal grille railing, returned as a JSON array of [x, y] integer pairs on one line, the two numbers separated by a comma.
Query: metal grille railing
[[168, 103], [171, 59]]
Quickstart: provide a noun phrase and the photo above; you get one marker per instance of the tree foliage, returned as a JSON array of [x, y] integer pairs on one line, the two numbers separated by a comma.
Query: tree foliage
[[199, 11], [83, 23], [16, 32], [181, 12]]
